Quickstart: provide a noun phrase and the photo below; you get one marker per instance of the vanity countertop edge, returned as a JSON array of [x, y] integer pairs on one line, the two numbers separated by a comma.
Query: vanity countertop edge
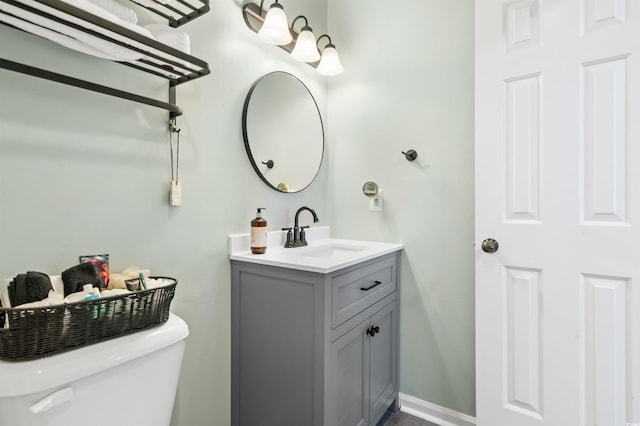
[[318, 238]]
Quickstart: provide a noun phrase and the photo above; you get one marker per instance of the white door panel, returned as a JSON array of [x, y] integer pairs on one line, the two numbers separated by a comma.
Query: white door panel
[[557, 184]]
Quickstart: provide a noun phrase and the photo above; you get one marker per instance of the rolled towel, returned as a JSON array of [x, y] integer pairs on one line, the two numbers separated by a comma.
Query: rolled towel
[[77, 276], [116, 281], [134, 272], [117, 9], [38, 286], [29, 287], [18, 289]]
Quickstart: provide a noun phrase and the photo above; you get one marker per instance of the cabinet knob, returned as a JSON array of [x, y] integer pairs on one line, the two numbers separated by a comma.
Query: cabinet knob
[[372, 331]]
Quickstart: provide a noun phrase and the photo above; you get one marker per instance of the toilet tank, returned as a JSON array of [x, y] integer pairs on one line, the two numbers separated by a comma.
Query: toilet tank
[[126, 381]]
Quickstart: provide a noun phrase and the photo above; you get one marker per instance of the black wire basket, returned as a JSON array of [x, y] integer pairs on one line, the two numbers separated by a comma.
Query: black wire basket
[[38, 332]]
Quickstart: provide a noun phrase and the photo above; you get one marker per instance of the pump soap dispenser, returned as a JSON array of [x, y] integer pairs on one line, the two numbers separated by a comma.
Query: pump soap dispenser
[[259, 233]]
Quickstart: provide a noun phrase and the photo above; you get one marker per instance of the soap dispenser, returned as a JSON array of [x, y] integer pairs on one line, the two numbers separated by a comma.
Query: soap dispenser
[[259, 233]]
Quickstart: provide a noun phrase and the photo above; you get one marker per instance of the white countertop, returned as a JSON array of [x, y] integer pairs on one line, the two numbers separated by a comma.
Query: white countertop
[[323, 254]]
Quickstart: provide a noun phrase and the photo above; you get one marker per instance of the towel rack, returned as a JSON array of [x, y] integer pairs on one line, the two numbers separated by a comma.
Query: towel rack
[[174, 110], [181, 13], [157, 58]]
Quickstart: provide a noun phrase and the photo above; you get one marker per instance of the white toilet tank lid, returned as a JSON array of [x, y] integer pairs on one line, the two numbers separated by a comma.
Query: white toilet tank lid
[[27, 377]]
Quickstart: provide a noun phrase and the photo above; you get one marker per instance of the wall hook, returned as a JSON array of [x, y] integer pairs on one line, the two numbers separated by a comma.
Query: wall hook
[[173, 125], [410, 155], [268, 163]]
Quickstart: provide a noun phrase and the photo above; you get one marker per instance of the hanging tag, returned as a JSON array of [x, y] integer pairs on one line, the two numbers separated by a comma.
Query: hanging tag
[[175, 194], [175, 191]]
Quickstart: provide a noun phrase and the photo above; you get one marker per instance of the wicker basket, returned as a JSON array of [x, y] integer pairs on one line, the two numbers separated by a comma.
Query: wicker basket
[[38, 332]]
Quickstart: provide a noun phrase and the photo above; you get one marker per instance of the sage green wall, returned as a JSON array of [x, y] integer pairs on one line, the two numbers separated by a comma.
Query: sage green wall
[[408, 84], [83, 173]]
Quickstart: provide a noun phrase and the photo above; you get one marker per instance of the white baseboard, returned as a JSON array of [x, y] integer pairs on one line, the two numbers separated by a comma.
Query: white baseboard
[[434, 413]]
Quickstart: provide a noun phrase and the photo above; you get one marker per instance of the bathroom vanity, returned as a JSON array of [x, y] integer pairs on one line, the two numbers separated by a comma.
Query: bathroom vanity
[[315, 334]]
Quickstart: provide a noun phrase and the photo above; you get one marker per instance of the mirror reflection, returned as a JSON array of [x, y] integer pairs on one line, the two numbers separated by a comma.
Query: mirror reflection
[[283, 132]]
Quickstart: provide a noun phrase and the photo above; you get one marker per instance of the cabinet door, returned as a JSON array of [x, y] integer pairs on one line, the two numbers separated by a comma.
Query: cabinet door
[[349, 362], [382, 363]]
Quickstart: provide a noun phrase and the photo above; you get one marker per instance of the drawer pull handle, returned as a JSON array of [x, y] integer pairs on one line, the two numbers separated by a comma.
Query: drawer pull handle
[[372, 331], [375, 284]]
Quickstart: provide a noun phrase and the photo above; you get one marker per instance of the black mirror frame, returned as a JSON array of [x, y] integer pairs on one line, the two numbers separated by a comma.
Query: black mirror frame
[[245, 135]]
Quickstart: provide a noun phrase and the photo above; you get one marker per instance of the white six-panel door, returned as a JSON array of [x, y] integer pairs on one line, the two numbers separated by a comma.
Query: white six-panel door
[[558, 187]]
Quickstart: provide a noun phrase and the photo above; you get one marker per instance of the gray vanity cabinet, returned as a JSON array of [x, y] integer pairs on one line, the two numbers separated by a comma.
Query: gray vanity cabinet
[[312, 349], [359, 397]]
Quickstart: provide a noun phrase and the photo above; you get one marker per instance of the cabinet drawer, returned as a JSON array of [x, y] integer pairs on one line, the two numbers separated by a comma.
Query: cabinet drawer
[[356, 290]]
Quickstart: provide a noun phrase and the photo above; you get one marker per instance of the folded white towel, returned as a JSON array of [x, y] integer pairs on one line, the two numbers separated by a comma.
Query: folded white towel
[[170, 36], [121, 11], [57, 283], [78, 40], [112, 49], [158, 282], [52, 300], [108, 49], [113, 293], [4, 292], [52, 34], [121, 53]]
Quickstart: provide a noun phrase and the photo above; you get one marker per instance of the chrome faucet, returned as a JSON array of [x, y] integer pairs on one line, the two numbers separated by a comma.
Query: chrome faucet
[[299, 238]]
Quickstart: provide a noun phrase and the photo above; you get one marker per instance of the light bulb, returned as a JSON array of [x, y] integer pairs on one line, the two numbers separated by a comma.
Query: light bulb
[[275, 29], [330, 62], [305, 49]]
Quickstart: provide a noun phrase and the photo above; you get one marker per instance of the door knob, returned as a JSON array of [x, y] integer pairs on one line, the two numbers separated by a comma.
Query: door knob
[[489, 245]]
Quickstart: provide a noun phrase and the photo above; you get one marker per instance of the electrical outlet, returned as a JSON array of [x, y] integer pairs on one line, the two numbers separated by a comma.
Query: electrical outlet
[[376, 204]]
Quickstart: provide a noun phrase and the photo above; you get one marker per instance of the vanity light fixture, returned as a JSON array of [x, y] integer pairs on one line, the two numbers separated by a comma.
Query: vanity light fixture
[[302, 46], [330, 62], [305, 49], [275, 29]]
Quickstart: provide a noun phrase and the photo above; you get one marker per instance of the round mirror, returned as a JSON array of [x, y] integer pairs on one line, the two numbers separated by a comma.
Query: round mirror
[[283, 133]]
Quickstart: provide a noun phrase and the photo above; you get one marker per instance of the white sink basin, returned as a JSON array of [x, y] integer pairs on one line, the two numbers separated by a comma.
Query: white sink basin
[[330, 251], [323, 254]]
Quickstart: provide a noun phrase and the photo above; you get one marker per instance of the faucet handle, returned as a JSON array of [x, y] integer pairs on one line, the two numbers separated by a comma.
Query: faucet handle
[[303, 233], [288, 243]]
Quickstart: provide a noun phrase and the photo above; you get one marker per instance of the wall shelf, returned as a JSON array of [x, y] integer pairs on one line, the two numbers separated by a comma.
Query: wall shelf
[[180, 13], [157, 58], [174, 110]]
